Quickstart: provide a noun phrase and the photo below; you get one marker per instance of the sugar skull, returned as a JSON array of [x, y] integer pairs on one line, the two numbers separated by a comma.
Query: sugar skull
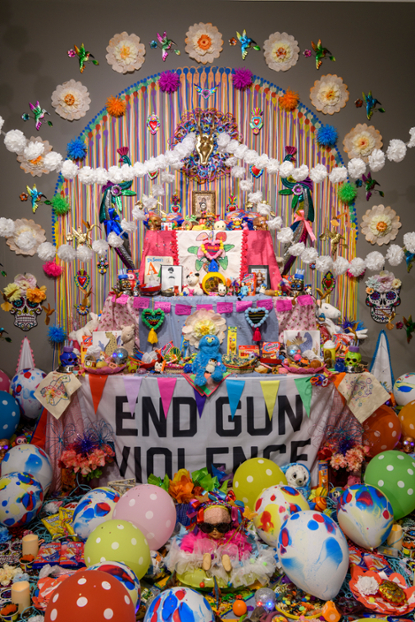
[[154, 222], [25, 312], [382, 296], [353, 357]]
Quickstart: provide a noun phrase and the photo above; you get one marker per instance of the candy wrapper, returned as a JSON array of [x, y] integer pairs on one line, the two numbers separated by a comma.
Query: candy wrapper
[[59, 524], [72, 555], [49, 553], [271, 349]]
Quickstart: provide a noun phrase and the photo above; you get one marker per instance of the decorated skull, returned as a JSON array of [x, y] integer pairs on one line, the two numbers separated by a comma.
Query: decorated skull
[[25, 313], [353, 357], [382, 296], [260, 223], [154, 222]]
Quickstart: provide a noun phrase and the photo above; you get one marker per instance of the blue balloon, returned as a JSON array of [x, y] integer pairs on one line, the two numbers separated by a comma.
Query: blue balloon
[[9, 415]]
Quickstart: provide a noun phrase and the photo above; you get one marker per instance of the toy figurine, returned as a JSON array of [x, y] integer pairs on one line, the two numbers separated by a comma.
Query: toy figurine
[[222, 289], [244, 291], [209, 347], [192, 286], [260, 223]]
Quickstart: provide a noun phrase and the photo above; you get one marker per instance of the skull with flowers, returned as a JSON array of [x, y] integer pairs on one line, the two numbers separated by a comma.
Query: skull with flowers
[[382, 296]]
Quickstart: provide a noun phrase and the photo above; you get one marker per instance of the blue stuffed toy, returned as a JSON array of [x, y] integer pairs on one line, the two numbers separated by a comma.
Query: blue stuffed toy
[[209, 360]]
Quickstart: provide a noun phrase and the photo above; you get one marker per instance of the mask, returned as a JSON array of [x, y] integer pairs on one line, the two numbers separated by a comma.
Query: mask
[[25, 313]]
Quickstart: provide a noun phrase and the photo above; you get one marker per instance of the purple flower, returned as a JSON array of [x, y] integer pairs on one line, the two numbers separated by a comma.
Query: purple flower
[[385, 283], [169, 82], [242, 78], [116, 190], [307, 53], [399, 325], [71, 53], [298, 189]]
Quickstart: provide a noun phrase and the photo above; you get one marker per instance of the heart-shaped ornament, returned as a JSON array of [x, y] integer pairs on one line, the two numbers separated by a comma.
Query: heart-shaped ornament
[[153, 318], [256, 317], [82, 279], [256, 172], [153, 175], [211, 247], [153, 125]]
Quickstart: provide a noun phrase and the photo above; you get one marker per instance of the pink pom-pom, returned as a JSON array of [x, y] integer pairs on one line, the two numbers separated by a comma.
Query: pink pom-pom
[[169, 82], [242, 78], [51, 268]]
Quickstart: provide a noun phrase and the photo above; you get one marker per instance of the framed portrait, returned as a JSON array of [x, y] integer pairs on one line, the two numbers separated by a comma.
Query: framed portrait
[[262, 275], [203, 202], [171, 278]]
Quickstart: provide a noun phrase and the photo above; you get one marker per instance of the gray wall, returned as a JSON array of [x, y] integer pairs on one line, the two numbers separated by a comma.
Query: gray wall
[[374, 45]]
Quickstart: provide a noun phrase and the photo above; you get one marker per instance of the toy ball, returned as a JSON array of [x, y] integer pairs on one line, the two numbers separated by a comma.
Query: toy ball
[[118, 541], [365, 515], [23, 387], [179, 603], [9, 414], [265, 597], [253, 476], [382, 430], [151, 509], [93, 509], [119, 356], [273, 506], [4, 381], [90, 596], [239, 608], [404, 389], [21, 498], [125, 575], [314, 554], [29, 459], [393, 472]]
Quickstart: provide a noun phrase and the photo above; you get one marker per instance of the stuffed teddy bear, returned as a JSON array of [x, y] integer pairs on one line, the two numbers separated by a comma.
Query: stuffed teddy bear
[[192, 287], [205, 360], [298, 476], [127, 338]]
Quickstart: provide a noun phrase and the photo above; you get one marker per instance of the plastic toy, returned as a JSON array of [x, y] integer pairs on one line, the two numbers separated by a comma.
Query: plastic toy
[[208, 351]]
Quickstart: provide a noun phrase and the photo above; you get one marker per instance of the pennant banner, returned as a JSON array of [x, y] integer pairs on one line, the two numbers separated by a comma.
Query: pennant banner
[[381, 366], [270, 392], [235, 389], [304, 387], [97, 384], [166, 388], [200, 402], [132, 386]]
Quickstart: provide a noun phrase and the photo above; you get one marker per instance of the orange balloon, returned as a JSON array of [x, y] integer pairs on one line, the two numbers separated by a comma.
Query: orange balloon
[[382, 430], [239, 608], [407, 419]]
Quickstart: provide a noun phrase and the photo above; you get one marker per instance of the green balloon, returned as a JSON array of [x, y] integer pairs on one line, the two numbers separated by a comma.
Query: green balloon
[[253, 476], [393, 472], [118, 541]]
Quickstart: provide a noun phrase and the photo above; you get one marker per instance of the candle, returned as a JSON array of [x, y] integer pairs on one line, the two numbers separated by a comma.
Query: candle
[[21, 595], [30, 545], [395, 537]]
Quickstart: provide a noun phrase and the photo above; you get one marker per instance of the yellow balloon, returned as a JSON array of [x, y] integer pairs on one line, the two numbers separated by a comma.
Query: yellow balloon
[[253, 476], [407, 419]]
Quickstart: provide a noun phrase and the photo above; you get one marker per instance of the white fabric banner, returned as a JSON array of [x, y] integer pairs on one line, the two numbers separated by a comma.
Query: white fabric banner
[[189, 239]]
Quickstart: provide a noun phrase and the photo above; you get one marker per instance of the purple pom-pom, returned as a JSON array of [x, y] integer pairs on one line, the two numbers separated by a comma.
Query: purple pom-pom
[[242, 78], [169, 81]]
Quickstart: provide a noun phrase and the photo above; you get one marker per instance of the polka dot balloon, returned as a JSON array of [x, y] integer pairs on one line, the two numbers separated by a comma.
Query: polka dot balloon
[[90, 596], [382, 430], [125, 575], [253, 476], [23, 387], [9, 415], [4, 381], [407, 419], [393, 472], [119, 541], [151, 509]]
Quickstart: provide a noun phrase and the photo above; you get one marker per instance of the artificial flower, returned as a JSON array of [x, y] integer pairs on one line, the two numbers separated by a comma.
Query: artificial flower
[[181, 487], [7, 573], [116, 106], [60, 205], [382, 282], [46, 251], [356, 167], [12, 292], [318, 173], [56, 334], [286, 169], [204, 42], [69, 169], [374, 261], [367, 585], [35, 166], [169, 81], [51, 269], [380, 225], [84, 253], [286, 235], [395, 255], [338, 174], [329, 94], [300, 173], [338, 461], [25, 281], [409, 241], [37, 294], [324, 263], [101, 246], [309, 255], [327, 135], [33, 235], [361, 141], [357, 267], [399, 325], [7, 227], [203, 322], [296, 249], [66, 253], [396, 283], [376, 160], [396, 150], [125, 53], [340, 266], [281, 51], [15, 141], [273, 166], [347, 193], [289, 101], [33, 150], [71, 100]]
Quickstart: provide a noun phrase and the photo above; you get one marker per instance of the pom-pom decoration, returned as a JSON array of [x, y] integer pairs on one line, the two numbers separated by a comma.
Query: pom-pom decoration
[[242, 78], [327, 135], [169, 82], [347, 193], [51, 269], [60, 205], [56, 334], [289, 101], [76, 149], [116, 106], [46, 252]]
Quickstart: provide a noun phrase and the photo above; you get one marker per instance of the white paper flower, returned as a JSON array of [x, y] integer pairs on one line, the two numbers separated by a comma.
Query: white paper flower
[[139, 170], [46, 251], [158, 190], [409, 144], [166, 177], [264, 209], [223, 140], [409, 241], [255, 197], [273, 166], [340, 266], [34, 165], [286, 169], [83, 253], [329, 94], [30, 229], [380, 225], [6, 227], [318, 174], [204, 42], [231, 161], [396, 150], [324, 263], [139, 213], [300, 173], [204, 322], [356, 167], [250, 156], [149, 202], [52, 161], [395, 255], [114, 240], [101, 176], [367, 585], [240, 151], [127, 172], [15, 141], [69, 169], [281, 51], [231, 145], [71, 100], [361, 141], [376, 160], [296, 249], [125, 53], [86, 175], [128, 226], [100, 247], [374, 261], [114, 175], [357, 267], [238, 172], [285, 236], [1, 123], [33, 150], [66, 253], [309, 255], [246, 185], [275, 223], [262, 161], [338, 174], [25, 241]]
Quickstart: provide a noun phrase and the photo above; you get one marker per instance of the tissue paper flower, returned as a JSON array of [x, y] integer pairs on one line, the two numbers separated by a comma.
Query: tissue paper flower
[[116, 106], [367, 585], [36, 294], [329, 94], [203, 322], [242, 78], [409, 241], [361, 141], [380, 225], [396, 150], [289, 101], [376, 160], [327, 135], [33, 234], [35, 167], [281, 51], [374, 261], [309, 255], [357, 267], [204, 42], [76, 149], [125, 53], [285, 236], [169, 81], [395, 255], [71, 100]]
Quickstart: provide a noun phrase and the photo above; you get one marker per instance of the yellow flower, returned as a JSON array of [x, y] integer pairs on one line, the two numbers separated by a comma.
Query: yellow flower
[[204, 327], [369, 290], [12, 292], [396, 283], [36, 294]]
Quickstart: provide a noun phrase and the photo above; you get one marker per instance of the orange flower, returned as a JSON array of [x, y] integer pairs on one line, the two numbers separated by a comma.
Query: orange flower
[[36, 294], [181, 487], [116, 106], [289, 101]]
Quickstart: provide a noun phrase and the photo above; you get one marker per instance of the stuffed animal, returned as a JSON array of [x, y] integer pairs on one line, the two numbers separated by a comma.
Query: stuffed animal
[[208, 353], [85, 331], [192, 287], [298, 476], [127, 338]]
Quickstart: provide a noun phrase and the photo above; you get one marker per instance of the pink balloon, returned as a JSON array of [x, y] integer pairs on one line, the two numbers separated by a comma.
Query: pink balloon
[[151, 509], [4, 381]]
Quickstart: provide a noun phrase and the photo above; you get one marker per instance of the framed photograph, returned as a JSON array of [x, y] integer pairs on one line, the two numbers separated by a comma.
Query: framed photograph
[[203, 202], [262, 276], [171, 278]]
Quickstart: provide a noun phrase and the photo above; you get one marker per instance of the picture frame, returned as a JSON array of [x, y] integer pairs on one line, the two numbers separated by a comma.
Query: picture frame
[[171, 278], [203, 202], [264, 271]]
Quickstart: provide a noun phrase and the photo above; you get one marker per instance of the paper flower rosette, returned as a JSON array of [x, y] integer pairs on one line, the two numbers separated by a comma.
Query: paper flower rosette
[[204, 42], [203, 322], [376, 601], [281, 51]]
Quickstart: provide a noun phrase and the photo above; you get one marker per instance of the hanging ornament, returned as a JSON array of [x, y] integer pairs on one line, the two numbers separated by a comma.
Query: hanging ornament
[[175, 203], [256, 172], [83, 56], [206, 92], [320, 52], [232, 206], [245, 42], [153, 175], [153, 123], [255, 318], [82, 279], [153, 319], [165, 44], [328, 282], [102, 264], [84, 306], [213, 250], [257, 122], [38, 115]]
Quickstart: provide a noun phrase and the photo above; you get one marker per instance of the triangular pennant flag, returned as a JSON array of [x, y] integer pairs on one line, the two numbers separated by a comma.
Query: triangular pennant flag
[[166, 388], [381, 366], [26, 359], [97, 384], [235, 389], [270, 392], [200, 402], [305, 389], [132, 386]]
